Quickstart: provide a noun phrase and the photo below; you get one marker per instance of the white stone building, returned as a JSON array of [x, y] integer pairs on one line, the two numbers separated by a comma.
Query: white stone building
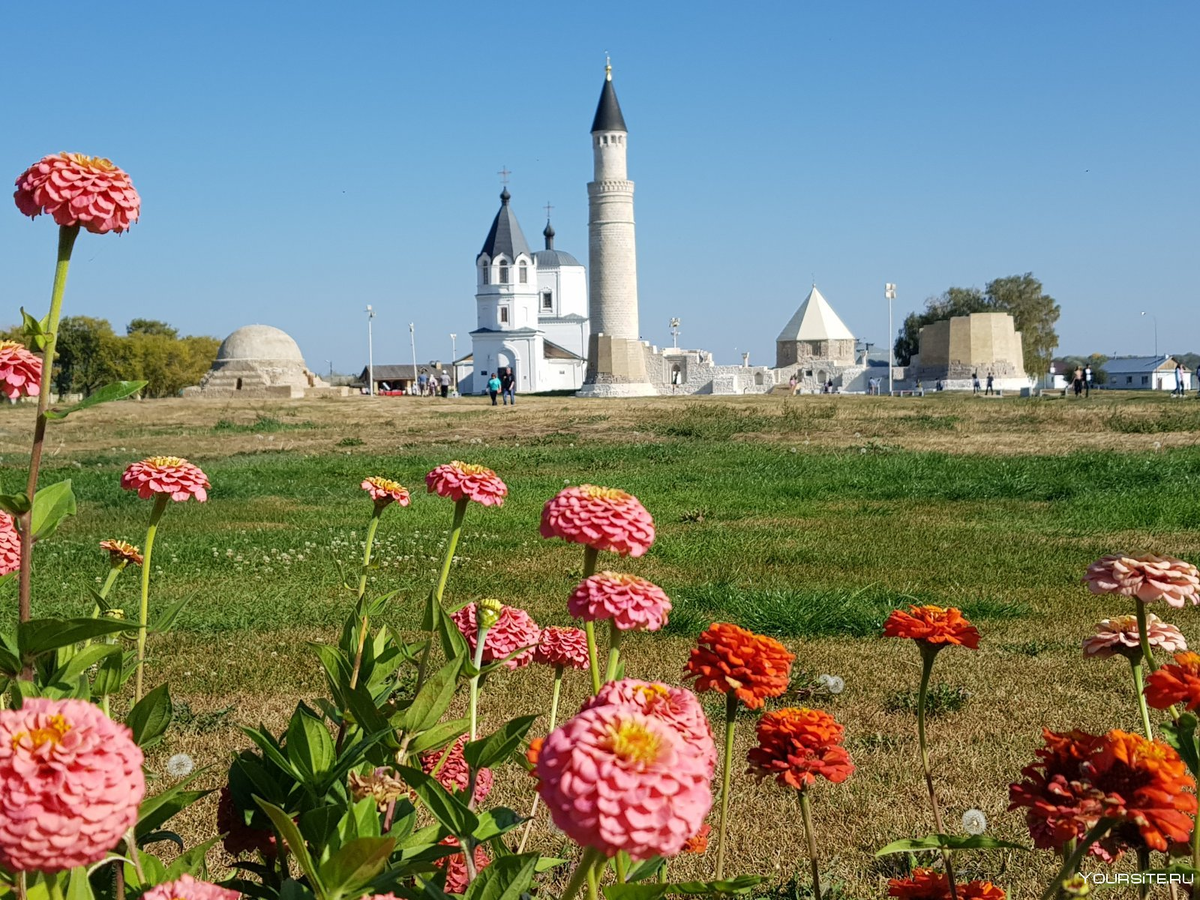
[[1144, 373], [258, 361], [532, 312]]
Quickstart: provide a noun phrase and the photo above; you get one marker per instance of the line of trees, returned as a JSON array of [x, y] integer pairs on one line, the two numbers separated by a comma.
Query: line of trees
[[1034, 314], [91, 355]]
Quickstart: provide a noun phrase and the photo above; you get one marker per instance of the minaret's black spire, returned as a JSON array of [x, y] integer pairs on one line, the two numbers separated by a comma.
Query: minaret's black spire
[[608, 110]]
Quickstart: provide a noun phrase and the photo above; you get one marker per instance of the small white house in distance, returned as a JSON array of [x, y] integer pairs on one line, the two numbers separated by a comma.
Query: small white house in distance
[[1144, 373]]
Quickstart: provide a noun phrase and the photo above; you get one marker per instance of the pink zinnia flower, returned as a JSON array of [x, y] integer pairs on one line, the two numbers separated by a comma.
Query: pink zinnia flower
[[1148, 578], [384, 491], [169, 475], [455, 774], [79, 190], [459, 479], [456, 866], [70, 784], [676, 706], [631, 602], [513, 630], [185, 887], [565, 647], [1120, 635], [20, 371], [10, 545], [600, 518], [615, 779]]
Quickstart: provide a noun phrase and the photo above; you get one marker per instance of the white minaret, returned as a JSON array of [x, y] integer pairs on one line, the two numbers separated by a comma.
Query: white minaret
[[616, 356]]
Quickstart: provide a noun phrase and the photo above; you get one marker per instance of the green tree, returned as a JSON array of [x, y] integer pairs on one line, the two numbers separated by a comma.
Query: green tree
[[88, 357], [955, 301], [1034, 314], [151, 326]]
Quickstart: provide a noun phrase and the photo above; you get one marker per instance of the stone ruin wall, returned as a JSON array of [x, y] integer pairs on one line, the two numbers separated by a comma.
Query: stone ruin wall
[[790, 353]]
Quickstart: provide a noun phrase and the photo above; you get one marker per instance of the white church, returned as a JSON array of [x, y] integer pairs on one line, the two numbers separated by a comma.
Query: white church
[[532, 312]]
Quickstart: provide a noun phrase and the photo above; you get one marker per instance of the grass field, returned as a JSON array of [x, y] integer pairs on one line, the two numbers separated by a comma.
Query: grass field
[[806, 518]]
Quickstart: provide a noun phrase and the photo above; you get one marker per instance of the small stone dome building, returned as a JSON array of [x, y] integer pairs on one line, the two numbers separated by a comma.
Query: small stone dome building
[[258, 360]]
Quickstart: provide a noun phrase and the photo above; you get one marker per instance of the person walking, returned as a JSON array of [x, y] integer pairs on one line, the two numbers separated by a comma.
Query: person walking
[[990, 382], [445, 383], [1077, 381], [1178, 381], [1087, 380], [974, 382], [493, 386], [508, 386]]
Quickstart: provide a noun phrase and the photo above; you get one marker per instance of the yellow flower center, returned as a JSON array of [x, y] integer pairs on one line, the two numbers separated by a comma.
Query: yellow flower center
[[603, 493], [469, 469], [652, 693], [11, 345], [166, 462], [386, 484], [91, 162], [633, 742], [54, 731]]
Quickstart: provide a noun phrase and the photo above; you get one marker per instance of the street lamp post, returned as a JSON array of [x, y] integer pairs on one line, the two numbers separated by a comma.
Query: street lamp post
[[370, 352], [889, 291], [675, 334], [412, 338], [1153, 318], [453, 360]]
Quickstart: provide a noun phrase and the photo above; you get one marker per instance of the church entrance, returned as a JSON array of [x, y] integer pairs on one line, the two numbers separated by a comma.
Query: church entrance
[[507, 359]]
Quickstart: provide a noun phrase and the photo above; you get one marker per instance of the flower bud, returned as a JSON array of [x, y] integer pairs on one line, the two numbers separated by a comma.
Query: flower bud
[[489, 613]]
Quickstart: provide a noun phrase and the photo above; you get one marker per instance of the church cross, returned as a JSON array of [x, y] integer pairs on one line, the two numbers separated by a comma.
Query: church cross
[[548, 208], [504, 173]]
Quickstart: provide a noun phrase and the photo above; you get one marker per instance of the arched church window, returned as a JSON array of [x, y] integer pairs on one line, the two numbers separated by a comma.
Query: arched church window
[[503, 272], [547, 300], [523, 273], [483, 272], [504, 315]]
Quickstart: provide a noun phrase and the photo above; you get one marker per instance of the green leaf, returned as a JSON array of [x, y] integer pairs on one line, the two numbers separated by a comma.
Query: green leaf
[[938, 842], [309, 745], [150, 717], [363, 711], [15, 504], [78, 887], [1181, 735], [432, 700], [34, 330], [166, 620], [499, 745], [446, 808], [157, 810], [505, 879], [271, 750], [740, 885], [118, 390], [291, 836], [85, 659], [37, 636], [51, 505], [353, 866], [647, 868], [495, 822], [110, 676], [439, 736], [191, 862], [454, 645]]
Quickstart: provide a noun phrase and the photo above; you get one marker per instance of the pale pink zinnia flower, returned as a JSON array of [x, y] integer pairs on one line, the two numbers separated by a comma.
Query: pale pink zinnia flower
[[79, 190], [600, 518], [170, 475], [631, 602], [10, 545], [384, 491], [615, 779], [513, 630], [1148, 578], [70, 784], [455, 774], [456, 866], [565, 647], [459, 479], [20, 371], [1119, 635], [676, 706], [185, 887]]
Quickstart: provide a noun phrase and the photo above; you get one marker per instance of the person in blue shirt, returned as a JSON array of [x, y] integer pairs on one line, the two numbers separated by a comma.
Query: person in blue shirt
[[494, 388]]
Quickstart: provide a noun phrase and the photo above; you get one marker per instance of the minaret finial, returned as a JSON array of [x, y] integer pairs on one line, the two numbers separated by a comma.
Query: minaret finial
[[607, 67]]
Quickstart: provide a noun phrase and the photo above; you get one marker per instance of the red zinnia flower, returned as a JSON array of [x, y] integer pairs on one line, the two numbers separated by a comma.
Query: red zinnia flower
[[1147, 577], [797, 745], [565, 647], [79, 190], [1177, 682], [631, 602], [456, 865], [458, 479], [169, 475], [240, 838], [185, 887], [20, 371], [732, 659], [384, 491], [926, 884], [455, 774], [698, 842], [10, 545], [932, 626], [600, 518], [122, 551]]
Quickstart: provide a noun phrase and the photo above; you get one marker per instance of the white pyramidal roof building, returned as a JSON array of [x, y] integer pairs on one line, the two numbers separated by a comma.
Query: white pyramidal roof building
[[815, 320]]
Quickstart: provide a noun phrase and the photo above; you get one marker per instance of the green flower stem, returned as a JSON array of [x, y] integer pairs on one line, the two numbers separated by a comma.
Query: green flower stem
[[1071, 863], [731, 711], [811, 836], [928, 655], [460, 512], [614, 650], [1138, 686], [589, 569], [593, 879], [586, 863], [113, 572], [160, 505], [363, 623], [1148, 657], [53, 888], [483, 630], [621, 864], [66, 242], [554, 698]]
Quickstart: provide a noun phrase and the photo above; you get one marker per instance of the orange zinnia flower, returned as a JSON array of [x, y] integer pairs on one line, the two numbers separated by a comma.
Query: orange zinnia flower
[[933, 626], [531, 754], [121, 552], [1177, 682], [733, 660], [926, 884], [698, 842], [797, 745]]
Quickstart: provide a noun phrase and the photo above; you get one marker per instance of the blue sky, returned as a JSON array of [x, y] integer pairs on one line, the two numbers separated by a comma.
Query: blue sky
[[299, 161]]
